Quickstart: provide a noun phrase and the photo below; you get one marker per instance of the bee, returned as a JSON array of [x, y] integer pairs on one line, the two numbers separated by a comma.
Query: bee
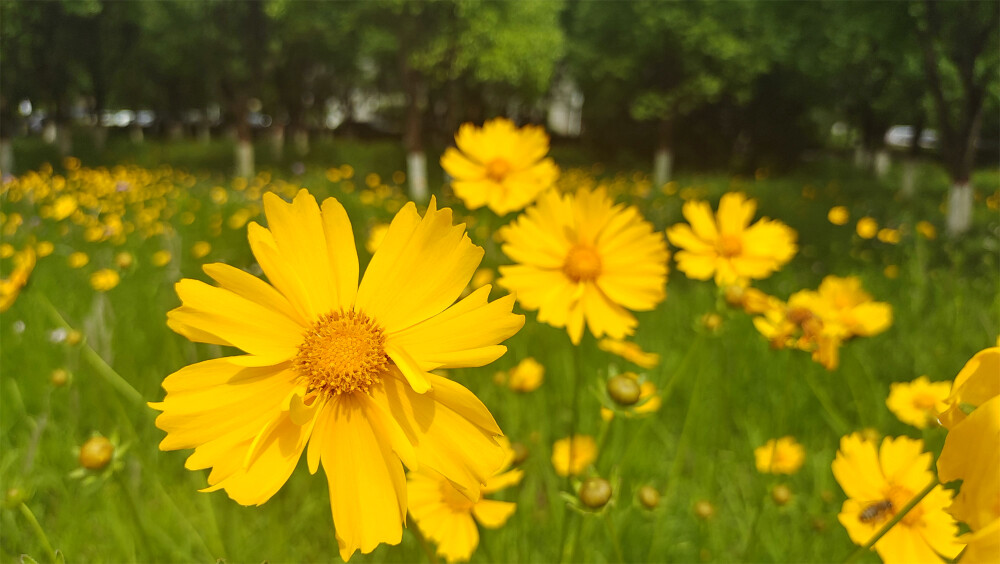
[[875, 511]]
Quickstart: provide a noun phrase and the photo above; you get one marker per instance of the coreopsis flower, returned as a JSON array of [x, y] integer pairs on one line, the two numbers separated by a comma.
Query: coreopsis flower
[[448, 518], [499, 166], [881, 483], [339, 367], [572, 455], [781, 456], [926, 229], [584, 260], [838, 215], [887, 235], [527, 376], [726, 246], [630, 352], [867, 227], [971, 450], [918, 402], [104, 279], [10, 287], [78, 259], [201, 249], [161, 258]]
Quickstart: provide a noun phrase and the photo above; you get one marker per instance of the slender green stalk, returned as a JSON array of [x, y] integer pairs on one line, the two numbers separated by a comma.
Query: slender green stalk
[[431, 556], [892, 522], [103, 369], [836, 422], [614, 536], [566, 538], [39, 531]]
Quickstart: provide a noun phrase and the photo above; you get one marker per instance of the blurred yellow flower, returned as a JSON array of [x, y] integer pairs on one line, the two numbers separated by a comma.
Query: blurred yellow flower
[[78, 259], [44, 248], [926, 229], [201, 249], [340, 366], [867, 227], [160, 258], [781, 456], [104, 279], [726, 246], [571, 456], [879, 484], [375, 236], [6, 250], [499, 166], [583, 259], [649, 398], [527, 376], [630, 352], [918, 402], [10, 287], [971, 450], [891, 236], [124, 260], [482, 277], [448, 518], [838, 215], [891, 271], [63, 207]]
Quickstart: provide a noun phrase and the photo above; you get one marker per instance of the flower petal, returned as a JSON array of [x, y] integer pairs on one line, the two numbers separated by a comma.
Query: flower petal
[[493, 514]]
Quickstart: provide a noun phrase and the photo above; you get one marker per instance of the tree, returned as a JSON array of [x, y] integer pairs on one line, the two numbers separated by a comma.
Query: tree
[[961, 56]]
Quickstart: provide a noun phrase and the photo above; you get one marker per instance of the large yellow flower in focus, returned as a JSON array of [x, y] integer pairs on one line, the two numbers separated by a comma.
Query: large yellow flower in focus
[[499, 166], [726, 246], [583, 259], [971, 451], [447, 517], [341, 367], [879, 484]]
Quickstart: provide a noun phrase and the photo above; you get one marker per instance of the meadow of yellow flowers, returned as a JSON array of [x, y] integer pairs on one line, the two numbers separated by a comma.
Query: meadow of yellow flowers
[[535, 365]]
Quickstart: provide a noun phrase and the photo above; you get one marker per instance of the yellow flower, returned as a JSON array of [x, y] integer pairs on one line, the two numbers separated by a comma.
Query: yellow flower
[[649, 399], [845, 308], [927, 229], [890, 236], [161, 258], [201, 249], [44, 248], [971, 451], [983, 545], [583, 259], [104, 279], [446, 516], [879, 484], [375, 236], [918, 402], [571, 456], [726, 245], [782, 456], [838, 215], [499, 166], [341, 366], [891, 271], [867, 227], [527, 376], [10, 287], [482, 277], [630, 352], [6, 250], [63, 207], [78, 259]]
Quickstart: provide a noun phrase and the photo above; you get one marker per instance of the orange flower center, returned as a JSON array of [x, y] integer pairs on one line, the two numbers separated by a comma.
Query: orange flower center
[[582, 263], [899, 497], [924, 402], [343, 352], [729, 245], [497, 169]]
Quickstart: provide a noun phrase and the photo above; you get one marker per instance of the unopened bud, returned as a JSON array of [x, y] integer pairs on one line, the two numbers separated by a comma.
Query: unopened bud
[[520, 452], [73, 337], [704, 510], [781, 494], [595, 492], [624, 390], [649, 497], [59, 377], [96, 453]]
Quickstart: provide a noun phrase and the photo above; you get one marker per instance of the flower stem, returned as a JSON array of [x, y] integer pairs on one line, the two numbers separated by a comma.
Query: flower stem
[[835, 420], [113, 378], [39, 531], [614, 536], [431, 557], [892, 522]]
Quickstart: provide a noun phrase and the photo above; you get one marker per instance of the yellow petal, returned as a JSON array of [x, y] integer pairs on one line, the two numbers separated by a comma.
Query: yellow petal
[[493, 514], [343, 255], [367, 486], [254, 289]]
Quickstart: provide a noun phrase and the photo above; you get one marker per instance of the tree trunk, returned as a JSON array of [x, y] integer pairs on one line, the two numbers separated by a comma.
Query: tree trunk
[[300, 138], [959, 218], [883, 162], [204, 133], [6, 156], [135, 134], [908, 189], [278, 142], [416, 160], [663, 159], [100, 134]]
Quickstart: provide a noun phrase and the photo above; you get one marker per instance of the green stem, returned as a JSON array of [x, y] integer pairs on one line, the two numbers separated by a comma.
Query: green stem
[[836, 421], [614, 536], [114, 379], [892, 522], [136, 512], [431, 556], [577, 382], [39, 532]]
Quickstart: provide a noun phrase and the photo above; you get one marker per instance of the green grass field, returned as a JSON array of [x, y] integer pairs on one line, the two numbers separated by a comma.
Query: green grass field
[[724, 392]]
